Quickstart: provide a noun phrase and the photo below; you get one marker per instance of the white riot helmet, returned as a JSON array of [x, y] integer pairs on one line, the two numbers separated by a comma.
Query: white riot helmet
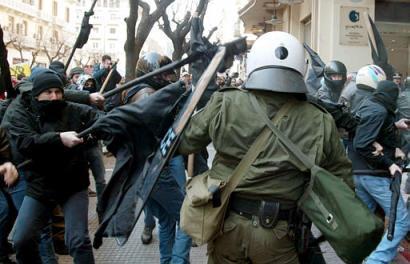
[[369, 76], [276, 62]]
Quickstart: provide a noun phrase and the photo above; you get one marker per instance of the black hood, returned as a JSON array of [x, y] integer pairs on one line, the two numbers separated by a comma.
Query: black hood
[[386, 94]]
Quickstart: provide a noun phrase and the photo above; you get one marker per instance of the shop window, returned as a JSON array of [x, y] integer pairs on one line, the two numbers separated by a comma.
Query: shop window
[[25, 25], [67, 15], [11, 24], [55, 8], [40, 32], [19, 28]]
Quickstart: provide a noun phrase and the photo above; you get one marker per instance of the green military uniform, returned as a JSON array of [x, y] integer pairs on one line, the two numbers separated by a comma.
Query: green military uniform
[[231, 123]]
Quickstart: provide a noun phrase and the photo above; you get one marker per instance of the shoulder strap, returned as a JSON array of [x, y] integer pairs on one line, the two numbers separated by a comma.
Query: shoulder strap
[[285, 140], [252, 153]]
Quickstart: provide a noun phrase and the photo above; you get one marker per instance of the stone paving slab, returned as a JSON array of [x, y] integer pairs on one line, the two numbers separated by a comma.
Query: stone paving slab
[[135, 252]]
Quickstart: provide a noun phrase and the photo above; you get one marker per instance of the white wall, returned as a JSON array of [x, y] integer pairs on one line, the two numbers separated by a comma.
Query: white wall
[[353, 56], [325, 30]]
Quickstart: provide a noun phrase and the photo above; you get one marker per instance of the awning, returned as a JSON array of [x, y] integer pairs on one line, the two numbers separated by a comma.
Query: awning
[[256, 12]]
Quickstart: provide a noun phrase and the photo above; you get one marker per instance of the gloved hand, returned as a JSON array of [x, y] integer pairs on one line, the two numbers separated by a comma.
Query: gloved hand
[[200, 44]]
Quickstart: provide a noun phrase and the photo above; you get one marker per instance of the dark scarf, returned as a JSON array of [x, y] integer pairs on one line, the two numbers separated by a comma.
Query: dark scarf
[[49, 110], [386, 95]]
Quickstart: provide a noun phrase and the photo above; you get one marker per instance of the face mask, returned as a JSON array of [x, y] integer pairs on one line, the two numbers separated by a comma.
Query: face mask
[[334, 84], [90, 89], [50, 109]]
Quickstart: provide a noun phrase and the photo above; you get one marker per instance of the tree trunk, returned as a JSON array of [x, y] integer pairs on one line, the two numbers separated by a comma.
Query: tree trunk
[[21, 55], [144, 28], [33, 58], [130, 53], [136, 38], [177, 53]]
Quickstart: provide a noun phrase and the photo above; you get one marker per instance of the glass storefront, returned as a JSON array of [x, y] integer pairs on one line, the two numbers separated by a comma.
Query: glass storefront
[[393, 21]]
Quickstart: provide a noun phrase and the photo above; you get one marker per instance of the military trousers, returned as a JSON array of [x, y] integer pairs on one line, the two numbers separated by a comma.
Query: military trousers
[[246, 241]]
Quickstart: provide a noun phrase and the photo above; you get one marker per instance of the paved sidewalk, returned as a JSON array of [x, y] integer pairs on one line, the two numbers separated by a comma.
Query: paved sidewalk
[[135, 252]]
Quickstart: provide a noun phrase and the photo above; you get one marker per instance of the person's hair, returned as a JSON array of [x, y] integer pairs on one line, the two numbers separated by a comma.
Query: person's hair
[[106, 57]]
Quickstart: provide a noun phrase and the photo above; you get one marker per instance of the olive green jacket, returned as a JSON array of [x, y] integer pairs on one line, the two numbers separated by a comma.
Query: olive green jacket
[[231, 123]]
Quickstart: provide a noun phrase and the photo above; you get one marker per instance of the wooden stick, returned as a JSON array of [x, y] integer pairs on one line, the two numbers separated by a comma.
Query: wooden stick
[[191, 164], [108, 77]]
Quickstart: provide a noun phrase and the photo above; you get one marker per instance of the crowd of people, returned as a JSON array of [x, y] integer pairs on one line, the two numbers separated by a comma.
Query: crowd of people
[[45, 164]]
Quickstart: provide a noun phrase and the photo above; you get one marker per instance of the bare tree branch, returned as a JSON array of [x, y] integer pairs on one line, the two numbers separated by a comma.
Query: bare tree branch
[[211, 32], [9, 42], [166, 27], [57, 53], [202, 7], [145, 6], [181, 30], [58, 50], [186, 24], [136, 37]]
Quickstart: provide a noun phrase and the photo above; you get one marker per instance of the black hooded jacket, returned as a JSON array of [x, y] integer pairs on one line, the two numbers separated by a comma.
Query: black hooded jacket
[[329, 94], [376, 125], [133, 132], [56, 172]]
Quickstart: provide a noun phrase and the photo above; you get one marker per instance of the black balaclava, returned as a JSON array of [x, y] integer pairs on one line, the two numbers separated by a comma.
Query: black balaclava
[[386, 94], [47, 109]]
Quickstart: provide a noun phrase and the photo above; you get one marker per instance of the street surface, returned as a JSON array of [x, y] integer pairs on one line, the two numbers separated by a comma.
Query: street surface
[[135, 252]]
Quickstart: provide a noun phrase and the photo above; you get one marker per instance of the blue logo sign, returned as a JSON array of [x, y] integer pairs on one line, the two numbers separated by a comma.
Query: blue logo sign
[[354, 16]]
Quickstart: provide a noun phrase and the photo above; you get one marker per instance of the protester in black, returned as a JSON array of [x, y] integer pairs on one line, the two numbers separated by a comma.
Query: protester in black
[[373, 170], [58, 173]]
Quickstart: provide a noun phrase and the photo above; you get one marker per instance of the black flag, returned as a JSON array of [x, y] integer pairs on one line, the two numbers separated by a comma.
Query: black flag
[[315, 71], [5, 78], [318, 65], [84, 33], [379, 52]]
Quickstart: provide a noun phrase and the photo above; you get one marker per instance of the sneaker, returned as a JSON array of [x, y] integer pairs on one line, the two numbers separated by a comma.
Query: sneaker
[[91, 193], [146, 236]]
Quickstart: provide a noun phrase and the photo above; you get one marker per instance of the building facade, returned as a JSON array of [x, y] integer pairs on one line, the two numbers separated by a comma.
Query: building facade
[[108, 34], [37, 31], [336, 28]]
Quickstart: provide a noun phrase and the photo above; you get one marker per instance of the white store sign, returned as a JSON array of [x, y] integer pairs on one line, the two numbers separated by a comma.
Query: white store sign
[[352, 26]]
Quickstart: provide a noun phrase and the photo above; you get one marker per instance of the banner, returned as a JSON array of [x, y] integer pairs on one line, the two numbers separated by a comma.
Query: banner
[[20, 69]]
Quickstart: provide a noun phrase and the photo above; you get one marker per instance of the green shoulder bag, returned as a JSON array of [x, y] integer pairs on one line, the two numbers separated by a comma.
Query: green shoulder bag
[[346, 222]]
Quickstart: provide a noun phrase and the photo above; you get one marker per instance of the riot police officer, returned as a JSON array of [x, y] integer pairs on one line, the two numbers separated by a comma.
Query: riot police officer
[[275, 69]]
